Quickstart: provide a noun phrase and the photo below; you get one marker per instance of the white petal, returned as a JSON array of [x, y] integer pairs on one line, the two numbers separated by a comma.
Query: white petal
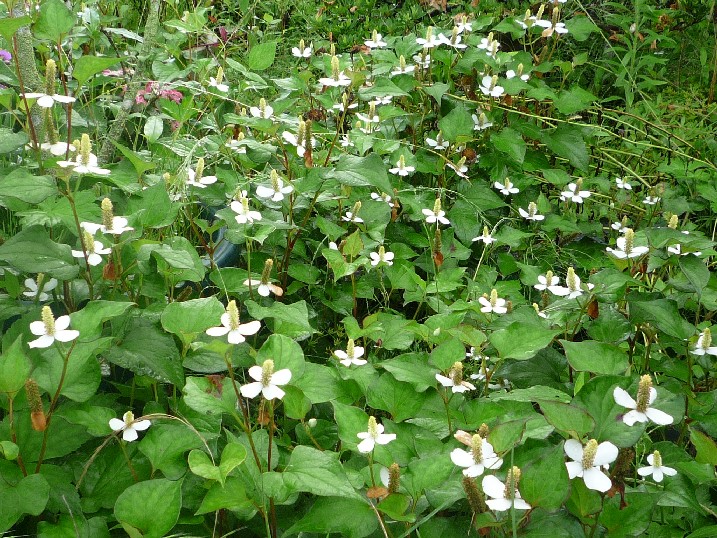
[[235, 337], [657, 474], [62, 323], [606, 453], [385, 438], [250, 328], [37, 328], [341, 354], [130, 434], [623, 398], [493, 487], [116, 424], [493, 463], [653, 395], [366, 445], [595, 479], [251, 390], [499, 505], [282, 377], [42, 342], [45, 101], [658, 417], [443, 380], [669, 471], [645, 471], [575, 469], [141, 425], [255, 373], [634, 416], [462, 458], [520, 504], [217, 331], [63, 98], [474, 470], [574, 450], [272, 392], [66, 336]]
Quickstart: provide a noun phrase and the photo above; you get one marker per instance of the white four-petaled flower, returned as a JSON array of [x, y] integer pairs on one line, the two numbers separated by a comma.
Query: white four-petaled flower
[[230, 326], [641, 410], [574, 193], [504, 496], [480, 457], [266, 381], [454, 380], [588, 462], [129, 426], [50, 329], [656, 469], [352, 355], [373, 436]]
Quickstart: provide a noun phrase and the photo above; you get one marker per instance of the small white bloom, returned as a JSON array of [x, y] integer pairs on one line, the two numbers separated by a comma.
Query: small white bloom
[[301, 51], [276, 191], [383, 197], [507, 187], [266, 381], [454, 380], [531, 213], [438, 143], [489, 87], [200, 182], [486, 238], [588, 462], [46, 101], [430, 41], [493, 303], [374, 436], [551, 283], [436, 214], [481, 122], [574, 194], [640, 410], [218, 85], [35, 292], [95, 251], [702, 347], [551, 27], [620, 226], [424, 62], [401, 169], [82, 165], [231, 327], [382, 256], [351, 216], [58, 148], [574, 286], [352, 355], [129, 426], [626, 248], [119, 226], [376, 41], [50, 329], [677, 250], [262, 111], [496, 490], [651, 200], [656, 469], [244, 214], [622, 184], [264, 289], [482, 456]]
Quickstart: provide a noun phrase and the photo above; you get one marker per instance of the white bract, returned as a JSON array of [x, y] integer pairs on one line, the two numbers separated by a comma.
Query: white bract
[[129, 426], [531, 213], [574, 193], [95, 250], [702, 347], [382, 256], [373, 436], [454, 380], [641, 410], [302, 51], [231, 327], [401, 169], [263, 111], [656, 469], [504, 496], [480, 457], [489, 86], [352, 355], [626, 248], [376, 41], [493, 303], [266, 381], [506, 187], [486, 238], [196, 177], [45, 100], [37, 289], [244, 213], [436, 214], [276, 191], [50, 329], [110, 224], [588, 462], [622, 184]]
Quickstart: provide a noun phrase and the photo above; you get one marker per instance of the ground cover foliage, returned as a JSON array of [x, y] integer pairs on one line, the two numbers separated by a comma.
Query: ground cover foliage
[[355, 268]]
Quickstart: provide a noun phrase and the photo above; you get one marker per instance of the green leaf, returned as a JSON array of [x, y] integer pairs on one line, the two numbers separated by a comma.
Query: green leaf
[[395, 506], [595, 357], [705, 447], [28, 496], [437, 90], [32, 251], [83, 375], [189, 318], [261, 56], [573, 100], [231, 496], [151, 506], [411, 368], [550, 469], [153, 128], [291, 320], [511, 143], [567, 141], [146, 350], [90, 320], [233, 455], [361, 172], [583, 501], [202, 396], [399, 399], [507, 435], [165, 446], [521, 341], [319, 383], [140, 165], [285, 353], [317, 472], [10, 25], [661, 313], [352, 518], [10, 141], [696, 272], [20, 184], [630, 520], [89, 65], [567, 418], [381, 87], [457, 125], [15, 368], [446, 354], [54, 22], [9, 450]]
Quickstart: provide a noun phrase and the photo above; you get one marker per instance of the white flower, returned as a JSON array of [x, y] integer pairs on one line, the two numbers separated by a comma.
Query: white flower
[[489, 45], [352, 355], [454, 40], [551, 283], [264, 289], [230, 326], [430, 40], [266, 381], [401, 169], [640, 410], [478, 459], [58, 148], [46, 101], [352, 216], [376, 41], [95, 250], [703, 345], [368, 119], [383, 197], [531, 213], [338, 77], [262, 111], [50, 329], [625, 247], [489, 86], [439, 142], [84, 165], [507, 187], [459, 168], [481, 122], [574, 288], [423, 61], [588, 462], [677, 250], [512, 74], [35, 291], [656, 469], [620, 226], [295, 141], [493, 303], [213, 82], [129, 425], [436, 214], [346, 141], [241, 208], [382, 256], [195, 178], [651, 200], [455, 381], [118, 226], [622, 184], [574, 194], [504, 496], [301, 51], [464, 25], [373, 436], [551, 27], [276, 191], [403, 69], [486, 238]]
